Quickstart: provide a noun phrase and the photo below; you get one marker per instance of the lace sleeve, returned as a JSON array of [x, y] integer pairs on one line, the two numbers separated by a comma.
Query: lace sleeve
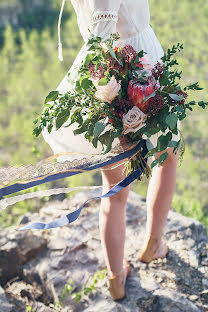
[[104, 17]]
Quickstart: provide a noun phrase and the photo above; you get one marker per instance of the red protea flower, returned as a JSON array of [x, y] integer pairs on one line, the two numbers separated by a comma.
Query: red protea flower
[[128, 53], [137, 92], [158, 70], [156, 103]]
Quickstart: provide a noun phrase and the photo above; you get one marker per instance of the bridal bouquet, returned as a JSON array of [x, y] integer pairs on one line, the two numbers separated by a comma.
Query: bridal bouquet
[[120, 93]]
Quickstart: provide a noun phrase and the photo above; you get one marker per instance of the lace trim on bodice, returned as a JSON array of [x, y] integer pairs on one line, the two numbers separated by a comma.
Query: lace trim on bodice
[[103, 16]]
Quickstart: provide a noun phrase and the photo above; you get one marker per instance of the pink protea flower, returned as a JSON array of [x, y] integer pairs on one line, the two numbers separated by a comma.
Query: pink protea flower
[[137, 92], [108, 92]]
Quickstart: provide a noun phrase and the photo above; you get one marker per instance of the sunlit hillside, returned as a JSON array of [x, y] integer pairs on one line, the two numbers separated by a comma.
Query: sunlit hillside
[[30, 68]]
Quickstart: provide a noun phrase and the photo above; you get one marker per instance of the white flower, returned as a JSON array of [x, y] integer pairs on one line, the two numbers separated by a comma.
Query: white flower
[[133, 120], [108, 92]]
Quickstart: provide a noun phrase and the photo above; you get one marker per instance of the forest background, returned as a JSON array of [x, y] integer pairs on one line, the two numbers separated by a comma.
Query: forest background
[[29, 69]]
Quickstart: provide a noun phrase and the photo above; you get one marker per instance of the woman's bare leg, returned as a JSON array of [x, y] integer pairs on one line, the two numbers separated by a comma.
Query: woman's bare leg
[[112, 213], [159, 197], [112, 221]]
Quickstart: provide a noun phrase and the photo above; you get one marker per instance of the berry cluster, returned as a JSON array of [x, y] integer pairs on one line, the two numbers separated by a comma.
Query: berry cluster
[[122, 106], [128, 53], [158, 70], [185, 95], [113, 64], [155, 104], [98, 74]]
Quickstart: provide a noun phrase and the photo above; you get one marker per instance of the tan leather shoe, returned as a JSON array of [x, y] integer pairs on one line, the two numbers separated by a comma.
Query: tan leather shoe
[[117, 282], [150, 251]]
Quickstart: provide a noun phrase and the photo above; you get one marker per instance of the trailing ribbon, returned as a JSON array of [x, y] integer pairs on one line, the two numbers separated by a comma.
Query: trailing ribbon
[[75, 214]]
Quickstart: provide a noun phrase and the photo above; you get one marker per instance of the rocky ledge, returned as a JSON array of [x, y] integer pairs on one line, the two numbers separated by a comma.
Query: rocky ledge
[[46, 270]]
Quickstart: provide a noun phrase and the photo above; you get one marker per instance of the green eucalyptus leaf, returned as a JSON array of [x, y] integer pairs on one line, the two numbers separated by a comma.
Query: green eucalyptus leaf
[[116, 133], [150, 146], [164, 81], [76, 116], [89, 58], [173, 144], [84, 127], [154, 163], [161, 119], [179, 109], [149, 96], [109, 146], [62, 118], [175, 130], [105, 137], [140, 54], [85, 82], [154, 130], [147, 134], [133, 64], [112, 53], [176, 97], [140, 79], [80, 130], [163, 157], [50, 127], [95, 142], [103, 81], [151, 152], [35, 121], [37, 131], [91, 130], [171, 120], [202, 104], [99, 128], [52, 96], [182, 116], [163, 141]]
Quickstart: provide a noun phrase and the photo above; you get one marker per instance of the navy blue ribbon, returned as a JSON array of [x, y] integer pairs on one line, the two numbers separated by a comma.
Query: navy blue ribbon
[[75, 214]]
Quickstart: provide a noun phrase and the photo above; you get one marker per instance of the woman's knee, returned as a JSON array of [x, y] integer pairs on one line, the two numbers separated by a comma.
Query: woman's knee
[[110, 178]]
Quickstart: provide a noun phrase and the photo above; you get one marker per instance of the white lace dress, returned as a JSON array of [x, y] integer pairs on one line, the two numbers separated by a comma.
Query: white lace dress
[[130, 19]]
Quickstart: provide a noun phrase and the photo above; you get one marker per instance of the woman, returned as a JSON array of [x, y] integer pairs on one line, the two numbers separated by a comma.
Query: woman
[[131, 19]]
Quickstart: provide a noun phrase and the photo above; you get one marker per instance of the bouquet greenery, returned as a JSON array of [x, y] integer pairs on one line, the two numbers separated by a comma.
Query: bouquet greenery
[[119, 93]]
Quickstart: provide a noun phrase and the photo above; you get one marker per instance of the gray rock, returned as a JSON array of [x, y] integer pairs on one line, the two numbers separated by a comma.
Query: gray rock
[[171, 301], [5, 306], [9, 262], [205, 283], [106, 306], [48, 261], [19, 248]]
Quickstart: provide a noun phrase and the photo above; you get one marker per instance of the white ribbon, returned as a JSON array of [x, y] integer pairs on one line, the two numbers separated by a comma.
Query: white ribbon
[[60, 56]]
